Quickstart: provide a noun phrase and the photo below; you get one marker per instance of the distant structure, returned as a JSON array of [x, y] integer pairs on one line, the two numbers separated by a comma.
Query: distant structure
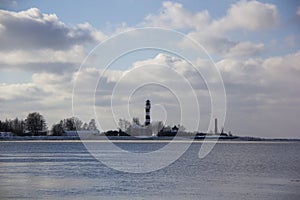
[[216, 126], [147, 112], [142, 130]]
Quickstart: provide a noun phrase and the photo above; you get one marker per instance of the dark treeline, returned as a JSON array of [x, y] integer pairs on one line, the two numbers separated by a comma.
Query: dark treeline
[[72, 124], [35, 125], [15, 126]]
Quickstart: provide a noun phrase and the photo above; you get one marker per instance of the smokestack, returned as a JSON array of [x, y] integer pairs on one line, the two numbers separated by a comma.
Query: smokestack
[[216, 125], [147, 112]]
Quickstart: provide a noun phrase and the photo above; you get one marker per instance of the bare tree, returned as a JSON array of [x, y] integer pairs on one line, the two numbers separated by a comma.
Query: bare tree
[[18, 126], [156, 126], [124, 124], [77, 123], [72, 124], [136, 121], [92, 125]]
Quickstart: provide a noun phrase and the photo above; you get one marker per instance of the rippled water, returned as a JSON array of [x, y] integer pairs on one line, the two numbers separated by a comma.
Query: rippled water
[[66, 170]]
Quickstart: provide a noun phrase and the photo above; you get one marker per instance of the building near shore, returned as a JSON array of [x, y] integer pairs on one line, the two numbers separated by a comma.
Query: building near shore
[[136, 130], [81, 133], [6, 134]]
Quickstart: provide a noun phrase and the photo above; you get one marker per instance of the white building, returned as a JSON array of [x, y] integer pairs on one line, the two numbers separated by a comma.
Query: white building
[[136, 130], [6, 134], [81, 133]]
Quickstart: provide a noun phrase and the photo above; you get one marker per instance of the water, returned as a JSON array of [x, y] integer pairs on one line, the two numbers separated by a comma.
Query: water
[[66, 170]]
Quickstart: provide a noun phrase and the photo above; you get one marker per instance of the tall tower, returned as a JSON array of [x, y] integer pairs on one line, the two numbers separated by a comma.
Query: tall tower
[[147, 112], [216, 125]]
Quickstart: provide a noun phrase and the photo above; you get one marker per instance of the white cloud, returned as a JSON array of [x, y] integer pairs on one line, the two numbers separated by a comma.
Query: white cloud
[[173, 15], [49, 94], [224, 47], [21, 92], [20, 57], [263, 90], [285, 69], [213, 34], [245, 50], [298, 11], [280, 72], [212, 43], [31, 29], [248, 15], [37, 42]]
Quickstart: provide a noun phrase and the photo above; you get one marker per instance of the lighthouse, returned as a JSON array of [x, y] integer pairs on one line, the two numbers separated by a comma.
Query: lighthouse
[[147, 112]]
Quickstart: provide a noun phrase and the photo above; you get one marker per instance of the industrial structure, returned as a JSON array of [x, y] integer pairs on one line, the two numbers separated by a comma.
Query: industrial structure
[[216, 126]]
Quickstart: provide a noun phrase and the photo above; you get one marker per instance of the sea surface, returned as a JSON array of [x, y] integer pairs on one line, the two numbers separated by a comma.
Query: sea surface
[[232, 170]]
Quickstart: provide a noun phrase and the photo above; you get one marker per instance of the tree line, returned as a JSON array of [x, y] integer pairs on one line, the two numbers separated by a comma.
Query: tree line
[[72, 124], [127, 128], [36, 125]]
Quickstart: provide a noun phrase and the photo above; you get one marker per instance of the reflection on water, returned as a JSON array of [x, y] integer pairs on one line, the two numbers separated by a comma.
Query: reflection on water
[[66, 170]]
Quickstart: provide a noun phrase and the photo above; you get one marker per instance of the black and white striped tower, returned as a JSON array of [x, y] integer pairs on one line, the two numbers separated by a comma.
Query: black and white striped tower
[[147, 112]]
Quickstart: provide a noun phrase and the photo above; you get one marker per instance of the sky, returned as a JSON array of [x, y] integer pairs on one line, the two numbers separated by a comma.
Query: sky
[[54, 57]]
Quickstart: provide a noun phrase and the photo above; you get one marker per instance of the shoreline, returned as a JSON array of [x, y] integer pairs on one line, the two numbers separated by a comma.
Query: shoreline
[[149, 139]]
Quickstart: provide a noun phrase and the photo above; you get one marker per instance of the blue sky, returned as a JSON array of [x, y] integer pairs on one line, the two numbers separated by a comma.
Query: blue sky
[[254, 44]]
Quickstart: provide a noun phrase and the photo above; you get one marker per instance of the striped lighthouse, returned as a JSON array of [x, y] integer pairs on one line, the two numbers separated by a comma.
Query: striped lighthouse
[[147, 112]]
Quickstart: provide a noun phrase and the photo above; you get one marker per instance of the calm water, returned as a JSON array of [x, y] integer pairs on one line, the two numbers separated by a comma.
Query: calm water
[[66, 170]]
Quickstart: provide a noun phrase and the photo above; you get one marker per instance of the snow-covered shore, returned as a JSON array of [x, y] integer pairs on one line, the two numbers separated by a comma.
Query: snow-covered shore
[[103, 138]]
